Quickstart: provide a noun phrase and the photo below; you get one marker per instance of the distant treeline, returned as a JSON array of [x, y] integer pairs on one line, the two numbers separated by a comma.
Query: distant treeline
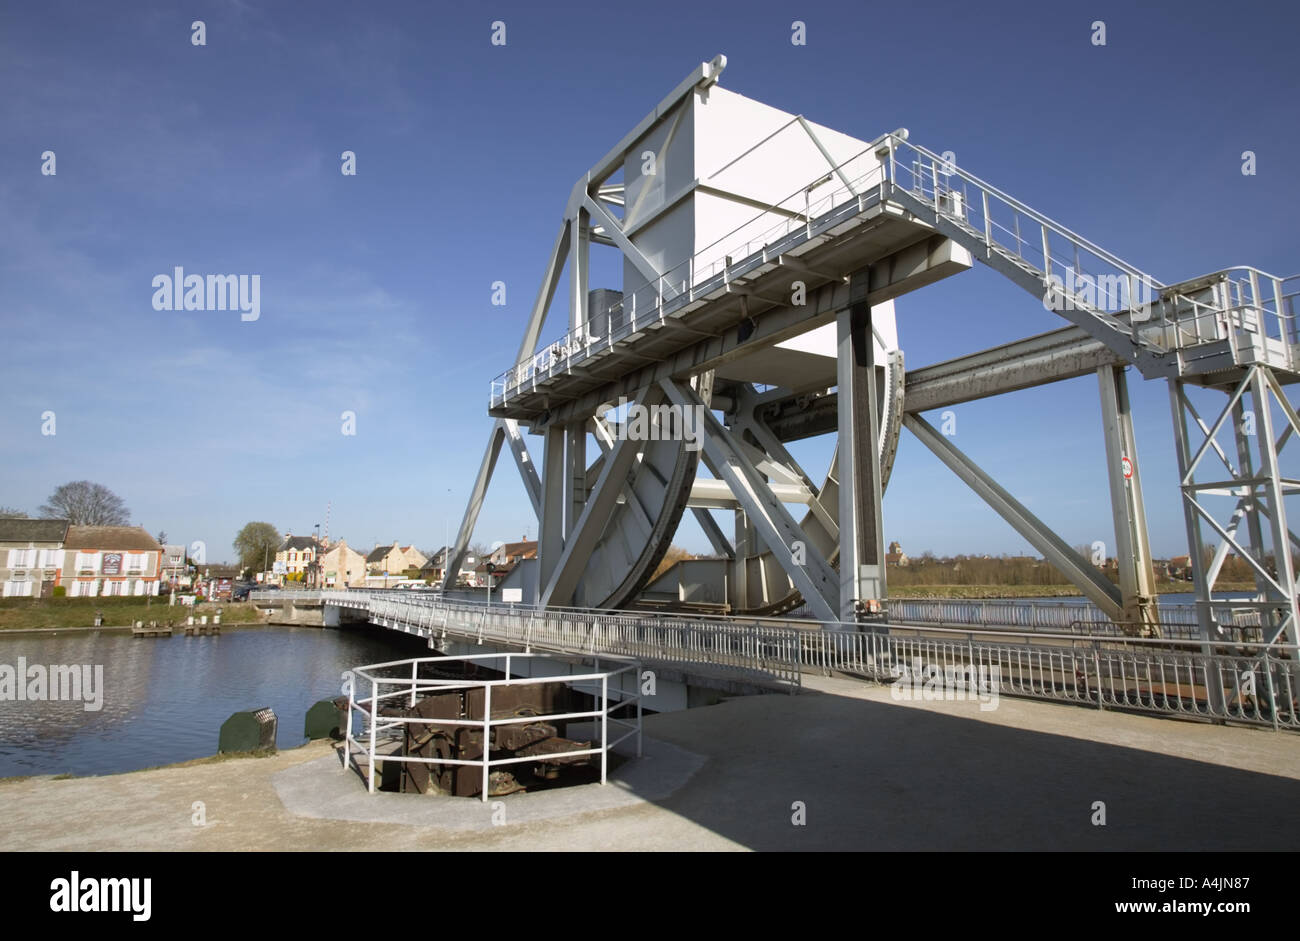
[[975, 570], [1018, 570], [927, 569]]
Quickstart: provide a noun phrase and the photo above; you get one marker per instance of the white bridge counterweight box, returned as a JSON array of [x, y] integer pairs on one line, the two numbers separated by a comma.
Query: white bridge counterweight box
[[721, 175]]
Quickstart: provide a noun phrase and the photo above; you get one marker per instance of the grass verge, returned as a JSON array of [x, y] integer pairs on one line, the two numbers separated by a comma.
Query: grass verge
[[35, 613]]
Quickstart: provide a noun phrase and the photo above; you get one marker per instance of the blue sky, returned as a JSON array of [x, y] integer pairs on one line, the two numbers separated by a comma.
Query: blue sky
[[376, 288]]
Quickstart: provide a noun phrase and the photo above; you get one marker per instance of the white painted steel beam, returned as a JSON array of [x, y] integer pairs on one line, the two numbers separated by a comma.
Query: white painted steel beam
[[1098, 589], [545, 294], [550, 539], [861, 525], [524, 461], [486, 467], [717, 495], [1137, 577], [610, 226]]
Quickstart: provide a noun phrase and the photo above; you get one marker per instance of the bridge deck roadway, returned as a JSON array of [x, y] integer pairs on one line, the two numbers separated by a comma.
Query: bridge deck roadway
[[871, 772]]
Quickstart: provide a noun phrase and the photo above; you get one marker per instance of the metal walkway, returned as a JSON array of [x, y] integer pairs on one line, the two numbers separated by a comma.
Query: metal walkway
[[1215, 324], [1211, 325]]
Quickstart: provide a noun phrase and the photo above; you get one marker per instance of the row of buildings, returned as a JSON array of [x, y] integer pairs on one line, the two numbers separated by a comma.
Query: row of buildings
[[36, 556], [320, 563], [39, 555], [310, 562]]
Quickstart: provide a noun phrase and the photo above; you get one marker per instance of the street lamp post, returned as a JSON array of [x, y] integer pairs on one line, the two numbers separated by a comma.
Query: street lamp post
[[315, 553], [491, 567]]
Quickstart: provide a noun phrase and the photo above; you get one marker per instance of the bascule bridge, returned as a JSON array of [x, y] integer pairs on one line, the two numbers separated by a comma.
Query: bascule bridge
[[761, 256]]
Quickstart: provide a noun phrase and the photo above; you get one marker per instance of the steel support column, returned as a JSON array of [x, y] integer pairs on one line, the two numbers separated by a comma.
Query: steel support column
[[585, 531], [575, 474], [575, 483], [1137, 577], [579, 264], [738, 584], [1249, 507], [1260, 491], [550, 539], [524, 461], [862, 538], [1202, 580], [1282, 589], [746, 540]]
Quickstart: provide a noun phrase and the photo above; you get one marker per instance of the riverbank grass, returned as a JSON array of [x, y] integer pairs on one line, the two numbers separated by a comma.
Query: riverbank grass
[[37, 613]]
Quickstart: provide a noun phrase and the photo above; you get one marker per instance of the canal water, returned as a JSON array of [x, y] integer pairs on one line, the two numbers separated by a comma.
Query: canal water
[[164, 699]]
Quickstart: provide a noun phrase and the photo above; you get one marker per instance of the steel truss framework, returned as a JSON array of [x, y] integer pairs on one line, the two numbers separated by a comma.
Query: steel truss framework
[[914, 219], [1251, 475]]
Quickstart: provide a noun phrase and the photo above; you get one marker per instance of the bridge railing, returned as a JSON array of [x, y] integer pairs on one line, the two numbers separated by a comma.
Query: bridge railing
[[1239, 621], [346, 596], [762, 654], [1256, 684], [1244, 306], [1228, 679]]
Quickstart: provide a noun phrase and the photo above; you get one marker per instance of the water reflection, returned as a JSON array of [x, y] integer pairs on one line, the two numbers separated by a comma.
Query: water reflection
[[164, 699]]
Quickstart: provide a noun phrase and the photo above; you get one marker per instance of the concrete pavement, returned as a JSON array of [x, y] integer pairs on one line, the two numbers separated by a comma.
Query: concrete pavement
[[840, 766]]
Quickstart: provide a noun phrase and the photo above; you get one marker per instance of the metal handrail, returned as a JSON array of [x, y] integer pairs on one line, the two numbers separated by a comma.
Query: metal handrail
[[999, 616], [1176, 309], [1258, 688], [1256, 682], [579, 343], [693, 268], [728, 649], [1016, 204], [369, 709]]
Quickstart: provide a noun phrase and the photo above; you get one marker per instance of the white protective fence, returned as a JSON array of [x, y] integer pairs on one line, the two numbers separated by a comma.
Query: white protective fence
[[399, 680]]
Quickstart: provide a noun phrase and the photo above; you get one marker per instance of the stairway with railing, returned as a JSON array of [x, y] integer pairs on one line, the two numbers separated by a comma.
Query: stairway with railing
[[1234, 317]]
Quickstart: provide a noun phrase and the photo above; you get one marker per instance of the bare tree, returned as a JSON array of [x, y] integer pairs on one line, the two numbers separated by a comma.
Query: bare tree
[[83, 503], [11, 513]]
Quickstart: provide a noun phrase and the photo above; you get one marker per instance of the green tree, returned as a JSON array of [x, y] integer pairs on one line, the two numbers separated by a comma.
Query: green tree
[[256, 544]]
